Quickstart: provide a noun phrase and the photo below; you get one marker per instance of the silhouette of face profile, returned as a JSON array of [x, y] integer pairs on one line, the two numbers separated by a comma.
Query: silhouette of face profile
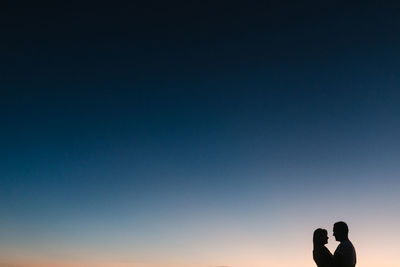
[[340, 231], [320, 237]]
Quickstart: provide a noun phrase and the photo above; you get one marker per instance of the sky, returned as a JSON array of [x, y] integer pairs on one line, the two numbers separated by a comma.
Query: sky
[[198, 134]]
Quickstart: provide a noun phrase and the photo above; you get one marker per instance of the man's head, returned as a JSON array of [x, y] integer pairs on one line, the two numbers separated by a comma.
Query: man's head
[[340, 231]]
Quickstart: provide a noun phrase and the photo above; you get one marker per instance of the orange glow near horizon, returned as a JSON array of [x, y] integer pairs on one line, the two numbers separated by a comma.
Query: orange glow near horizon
[[375, 243], [369, 255]]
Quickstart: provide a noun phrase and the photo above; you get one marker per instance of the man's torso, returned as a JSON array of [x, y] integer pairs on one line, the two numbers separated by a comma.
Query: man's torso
[[345, 255]]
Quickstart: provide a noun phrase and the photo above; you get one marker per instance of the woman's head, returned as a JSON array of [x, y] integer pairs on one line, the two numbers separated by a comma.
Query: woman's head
[[320, 237]]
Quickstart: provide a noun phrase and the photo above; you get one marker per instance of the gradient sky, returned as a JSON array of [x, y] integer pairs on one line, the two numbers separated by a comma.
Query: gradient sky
[[198, 135]]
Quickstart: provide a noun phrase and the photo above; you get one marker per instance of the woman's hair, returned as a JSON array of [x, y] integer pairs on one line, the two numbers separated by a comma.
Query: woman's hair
[[319, 236]]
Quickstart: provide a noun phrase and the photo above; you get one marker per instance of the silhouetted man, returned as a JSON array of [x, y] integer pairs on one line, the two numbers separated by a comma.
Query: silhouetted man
[[345, 254]]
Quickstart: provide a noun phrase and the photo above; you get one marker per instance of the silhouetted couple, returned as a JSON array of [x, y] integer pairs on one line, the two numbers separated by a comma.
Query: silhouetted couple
[[345, 254]]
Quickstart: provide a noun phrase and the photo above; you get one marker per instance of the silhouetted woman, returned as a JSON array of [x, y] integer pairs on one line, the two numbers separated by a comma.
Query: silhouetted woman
[[321, 254]]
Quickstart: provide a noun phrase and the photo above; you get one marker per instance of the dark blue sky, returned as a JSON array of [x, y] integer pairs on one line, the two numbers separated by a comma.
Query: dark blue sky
[[182, 107]]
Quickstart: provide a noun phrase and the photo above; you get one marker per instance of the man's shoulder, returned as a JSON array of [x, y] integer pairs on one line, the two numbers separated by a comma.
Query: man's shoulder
[[343, 246], [348, 244]]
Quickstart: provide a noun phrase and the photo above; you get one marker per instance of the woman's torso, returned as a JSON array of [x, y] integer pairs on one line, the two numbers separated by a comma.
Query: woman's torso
[[322, 256]]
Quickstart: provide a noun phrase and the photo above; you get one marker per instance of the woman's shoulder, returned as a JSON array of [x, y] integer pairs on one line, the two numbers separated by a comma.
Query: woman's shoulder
[[327, 250], [322, 250]]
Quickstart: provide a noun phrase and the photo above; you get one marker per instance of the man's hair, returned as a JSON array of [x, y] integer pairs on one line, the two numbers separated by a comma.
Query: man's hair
[[341, 227]]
